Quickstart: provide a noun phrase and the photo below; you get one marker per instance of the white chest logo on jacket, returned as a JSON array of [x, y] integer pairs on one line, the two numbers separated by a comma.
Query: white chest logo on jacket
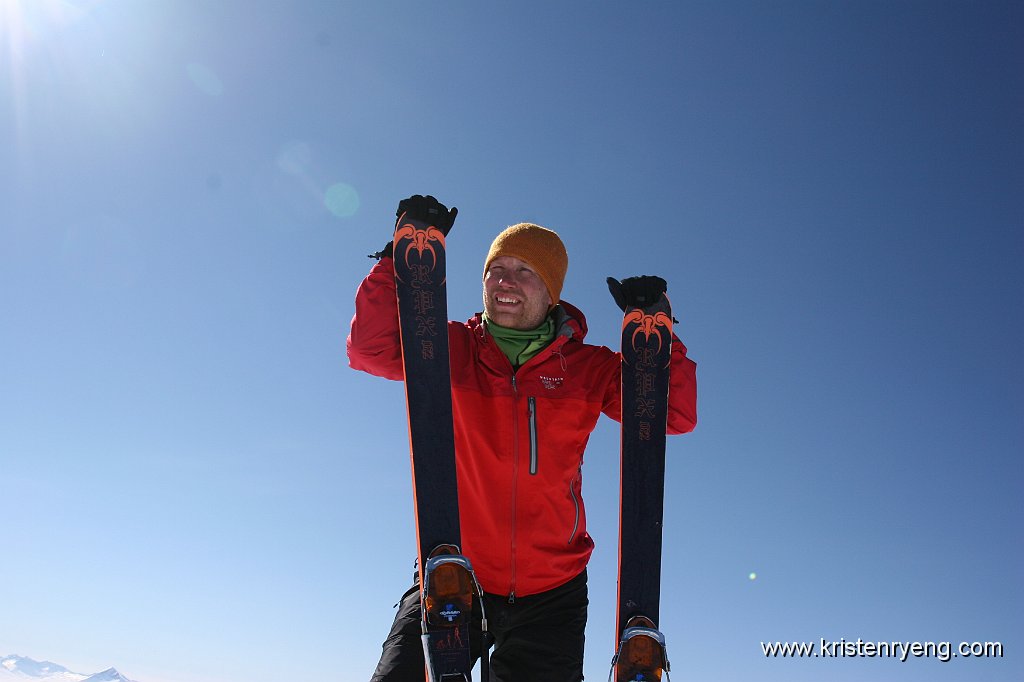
[[551, 383]]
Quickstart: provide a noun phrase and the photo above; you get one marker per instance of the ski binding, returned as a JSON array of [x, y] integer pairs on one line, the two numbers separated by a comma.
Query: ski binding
[[449, 585], [642, 655]]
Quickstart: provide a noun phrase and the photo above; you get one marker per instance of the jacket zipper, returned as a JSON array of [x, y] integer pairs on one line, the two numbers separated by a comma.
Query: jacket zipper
[[532, 404], [515, 486], [533, 462]]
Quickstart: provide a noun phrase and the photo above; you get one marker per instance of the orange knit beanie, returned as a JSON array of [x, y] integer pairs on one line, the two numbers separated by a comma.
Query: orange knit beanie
[[538, 246]]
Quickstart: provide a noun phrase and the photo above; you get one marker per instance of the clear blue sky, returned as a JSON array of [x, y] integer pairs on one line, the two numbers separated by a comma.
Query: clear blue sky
[[195, 488]]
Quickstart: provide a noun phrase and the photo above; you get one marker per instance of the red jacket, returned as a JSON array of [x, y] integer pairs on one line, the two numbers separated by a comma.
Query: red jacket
[[519, 435]]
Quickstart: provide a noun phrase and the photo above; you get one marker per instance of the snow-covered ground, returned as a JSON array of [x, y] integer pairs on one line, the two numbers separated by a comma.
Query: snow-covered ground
[[20, 668]]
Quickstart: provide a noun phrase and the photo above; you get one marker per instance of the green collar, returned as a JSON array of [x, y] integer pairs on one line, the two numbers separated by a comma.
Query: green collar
[[521, 345]]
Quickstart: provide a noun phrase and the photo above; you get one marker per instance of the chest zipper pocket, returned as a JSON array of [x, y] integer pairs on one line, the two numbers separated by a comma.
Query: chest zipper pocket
[[532, 407]]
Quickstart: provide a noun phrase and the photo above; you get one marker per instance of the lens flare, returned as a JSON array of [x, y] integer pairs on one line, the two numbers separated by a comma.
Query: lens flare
[[342, 200]]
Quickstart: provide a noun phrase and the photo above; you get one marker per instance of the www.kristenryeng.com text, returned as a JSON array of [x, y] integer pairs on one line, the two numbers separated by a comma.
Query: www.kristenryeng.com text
[[859, 648]]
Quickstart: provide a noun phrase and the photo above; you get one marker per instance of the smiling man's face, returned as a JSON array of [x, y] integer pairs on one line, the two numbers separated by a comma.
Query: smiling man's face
[[514, 294]]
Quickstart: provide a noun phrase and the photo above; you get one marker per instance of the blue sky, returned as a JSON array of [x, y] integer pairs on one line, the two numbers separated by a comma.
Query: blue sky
[[195, 487]]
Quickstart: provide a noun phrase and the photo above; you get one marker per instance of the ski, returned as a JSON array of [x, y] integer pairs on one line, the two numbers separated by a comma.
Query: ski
[[640, 653], [447, 582]]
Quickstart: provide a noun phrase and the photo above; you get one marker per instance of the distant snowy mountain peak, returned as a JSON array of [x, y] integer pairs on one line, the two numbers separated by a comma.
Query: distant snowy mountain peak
[[108, 675], [30, 668], [15, 668]]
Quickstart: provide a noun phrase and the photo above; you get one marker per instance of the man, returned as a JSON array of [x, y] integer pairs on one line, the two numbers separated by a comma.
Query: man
[[526, 392]]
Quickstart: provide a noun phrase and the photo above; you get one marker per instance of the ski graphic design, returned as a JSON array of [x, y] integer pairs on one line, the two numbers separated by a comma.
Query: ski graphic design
[[447, 582], [640, 653]]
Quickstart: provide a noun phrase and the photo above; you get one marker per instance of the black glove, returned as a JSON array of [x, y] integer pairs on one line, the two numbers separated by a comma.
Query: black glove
[[429, 210], [637, 292], [387, 252], [426, 209]]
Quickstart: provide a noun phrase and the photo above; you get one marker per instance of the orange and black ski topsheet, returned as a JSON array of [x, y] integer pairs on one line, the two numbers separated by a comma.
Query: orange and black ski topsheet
[[419, 256], [646, 355]]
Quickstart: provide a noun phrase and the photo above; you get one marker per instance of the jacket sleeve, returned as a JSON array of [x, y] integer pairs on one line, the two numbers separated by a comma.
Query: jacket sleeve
[[374, 340], [682, 390]]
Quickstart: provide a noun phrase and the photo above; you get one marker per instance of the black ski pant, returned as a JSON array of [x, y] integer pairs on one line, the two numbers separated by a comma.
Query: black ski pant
[[538, 638]]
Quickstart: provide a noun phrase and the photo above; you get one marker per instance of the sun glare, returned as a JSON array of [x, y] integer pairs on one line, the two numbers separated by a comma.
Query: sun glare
[[26, 23], [29, 29], [11, 29]]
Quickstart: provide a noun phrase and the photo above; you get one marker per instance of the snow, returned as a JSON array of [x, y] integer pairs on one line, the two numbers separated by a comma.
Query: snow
[[108, 675], [14, 668]]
